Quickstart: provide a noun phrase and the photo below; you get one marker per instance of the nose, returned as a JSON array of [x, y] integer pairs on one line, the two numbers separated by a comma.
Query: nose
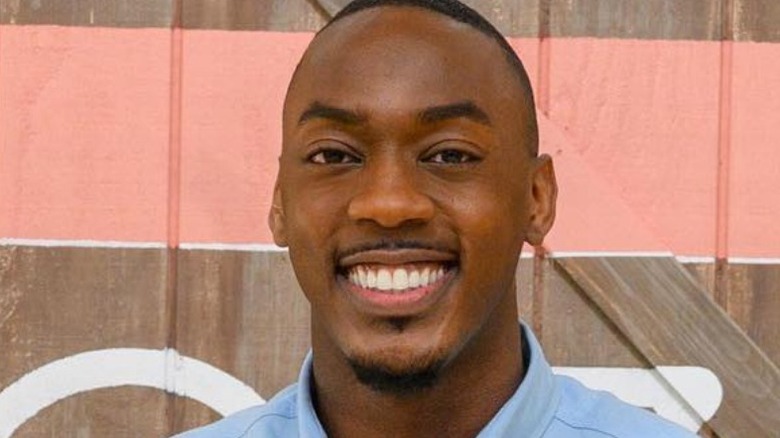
[[390, 197]]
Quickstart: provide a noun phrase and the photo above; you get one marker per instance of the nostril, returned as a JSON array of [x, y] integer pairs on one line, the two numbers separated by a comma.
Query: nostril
[[391, 208]]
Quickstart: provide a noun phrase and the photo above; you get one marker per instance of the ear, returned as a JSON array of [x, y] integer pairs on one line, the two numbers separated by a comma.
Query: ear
[[544, 192], [276, 219]]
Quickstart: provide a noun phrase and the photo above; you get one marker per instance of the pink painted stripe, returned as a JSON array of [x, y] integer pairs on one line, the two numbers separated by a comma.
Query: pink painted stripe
[[90, 141], [174, 147], [84, 125], [724, 150]]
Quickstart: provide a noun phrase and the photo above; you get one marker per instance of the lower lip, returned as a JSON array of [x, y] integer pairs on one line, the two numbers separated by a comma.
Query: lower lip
[[407, 301]]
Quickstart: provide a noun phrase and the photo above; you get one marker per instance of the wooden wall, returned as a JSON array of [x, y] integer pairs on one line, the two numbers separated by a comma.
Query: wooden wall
[[138, 144]]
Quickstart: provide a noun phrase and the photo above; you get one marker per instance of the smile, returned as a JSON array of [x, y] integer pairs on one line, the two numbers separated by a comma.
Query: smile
[[396, 279]]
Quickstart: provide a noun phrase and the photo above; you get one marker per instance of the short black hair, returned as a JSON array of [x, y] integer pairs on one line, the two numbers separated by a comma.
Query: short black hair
[[463, 14]]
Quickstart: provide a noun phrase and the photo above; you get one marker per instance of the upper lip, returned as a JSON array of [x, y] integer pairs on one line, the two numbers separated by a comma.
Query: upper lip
[[397, 257]]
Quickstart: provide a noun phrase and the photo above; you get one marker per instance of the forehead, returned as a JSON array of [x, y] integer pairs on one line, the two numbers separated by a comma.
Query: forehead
[[394, 58]]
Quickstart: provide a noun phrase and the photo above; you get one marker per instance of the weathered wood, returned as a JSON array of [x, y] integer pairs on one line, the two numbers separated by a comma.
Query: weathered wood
[[112, 13], [243, 313], [515, 18], [671, 321], [753, 302], [757, 20], [276, 15], [57, 302], [704, 273], [123, 412], [524, 280], [754, 20], [645, 19], [575, 332]]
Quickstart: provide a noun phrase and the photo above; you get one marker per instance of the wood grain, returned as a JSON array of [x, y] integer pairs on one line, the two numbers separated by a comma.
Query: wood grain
[[243, 313], [754, 304], [112, 13], [671, 321], [56, 302], [576, 332], [643, 19], [756, 20]]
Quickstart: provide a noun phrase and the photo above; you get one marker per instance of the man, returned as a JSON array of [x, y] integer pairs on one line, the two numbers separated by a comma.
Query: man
[[408, 182]]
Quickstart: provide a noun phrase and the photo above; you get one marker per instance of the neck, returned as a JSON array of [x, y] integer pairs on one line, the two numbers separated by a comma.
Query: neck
[[467, 394]]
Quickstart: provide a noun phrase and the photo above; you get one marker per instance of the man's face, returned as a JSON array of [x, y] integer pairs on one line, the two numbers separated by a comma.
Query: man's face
[[406, 188]]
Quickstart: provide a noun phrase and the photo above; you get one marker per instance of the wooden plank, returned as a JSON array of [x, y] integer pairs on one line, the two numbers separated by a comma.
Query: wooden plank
[[275, 15], [57, 302], [524, 281], [671, 321], [753, 301], [244, 313], [123, 412], [643, 19], [756, 20], [512, 17], [575, 332], [110, 13], [704, 273]]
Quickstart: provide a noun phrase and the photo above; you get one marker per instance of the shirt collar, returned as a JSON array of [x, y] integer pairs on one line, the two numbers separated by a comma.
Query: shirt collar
[[527, 413], [530, 410]]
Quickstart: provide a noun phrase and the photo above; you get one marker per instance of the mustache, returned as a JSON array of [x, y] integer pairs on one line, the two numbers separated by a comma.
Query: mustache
[[390, 245]]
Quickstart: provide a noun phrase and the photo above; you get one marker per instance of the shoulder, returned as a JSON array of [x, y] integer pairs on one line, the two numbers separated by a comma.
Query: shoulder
[[587, 413], [277, 418]]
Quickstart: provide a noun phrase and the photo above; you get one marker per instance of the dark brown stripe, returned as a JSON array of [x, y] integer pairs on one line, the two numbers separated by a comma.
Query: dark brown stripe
[[753, 20], [99, 13], [757, 20], [639, 19]]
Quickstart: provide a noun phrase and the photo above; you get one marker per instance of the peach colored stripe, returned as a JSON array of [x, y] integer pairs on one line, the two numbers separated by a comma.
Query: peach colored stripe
[[95, 149], [724, 151], [174, 159]]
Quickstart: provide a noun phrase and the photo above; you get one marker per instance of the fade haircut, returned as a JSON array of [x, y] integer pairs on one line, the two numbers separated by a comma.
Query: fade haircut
[[463, 14]]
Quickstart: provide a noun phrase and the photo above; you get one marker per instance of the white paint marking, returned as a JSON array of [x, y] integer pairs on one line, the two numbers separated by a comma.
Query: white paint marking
[[248, 247], [269, 247], [695, 259], [649, 254], [161, 369], [754, 261], [81, 244], [688, 396]]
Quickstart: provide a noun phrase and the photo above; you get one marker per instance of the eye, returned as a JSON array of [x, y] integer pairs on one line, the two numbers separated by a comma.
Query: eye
[[451, 156], [333, 156]]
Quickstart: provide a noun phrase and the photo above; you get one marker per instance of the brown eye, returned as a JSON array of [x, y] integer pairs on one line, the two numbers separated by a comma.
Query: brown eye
[[333, 156], [451, 156]]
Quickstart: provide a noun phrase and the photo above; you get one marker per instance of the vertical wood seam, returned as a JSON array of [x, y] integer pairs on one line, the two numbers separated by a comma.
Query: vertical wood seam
[[174, 195], [543, 66], [724, 154], [543, 103]]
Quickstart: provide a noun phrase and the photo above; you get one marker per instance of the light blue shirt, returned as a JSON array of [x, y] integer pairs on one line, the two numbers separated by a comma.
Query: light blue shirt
[[544, 406]]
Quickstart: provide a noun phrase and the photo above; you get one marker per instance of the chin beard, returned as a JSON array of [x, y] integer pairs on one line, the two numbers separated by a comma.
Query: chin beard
[[410, 379]]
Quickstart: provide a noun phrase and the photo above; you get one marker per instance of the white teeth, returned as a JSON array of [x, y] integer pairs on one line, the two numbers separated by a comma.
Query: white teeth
[[400, 279], [371, 279], [425, 277], [362, 277], [384, 281], [414, 279]]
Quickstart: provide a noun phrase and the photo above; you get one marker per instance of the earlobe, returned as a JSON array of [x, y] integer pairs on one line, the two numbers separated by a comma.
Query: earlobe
[[276, 219], [544, 192]]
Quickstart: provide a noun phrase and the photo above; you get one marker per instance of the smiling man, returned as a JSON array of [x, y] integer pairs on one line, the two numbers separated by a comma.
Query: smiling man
[[409, 181]]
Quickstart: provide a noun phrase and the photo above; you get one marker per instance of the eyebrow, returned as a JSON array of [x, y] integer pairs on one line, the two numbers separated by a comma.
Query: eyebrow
[[466, 109], [318, 110], [434, 114]]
